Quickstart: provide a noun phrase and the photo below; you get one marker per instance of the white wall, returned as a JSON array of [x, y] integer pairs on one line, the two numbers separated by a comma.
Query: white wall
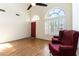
[[76, 17], [14, 27], [41, 12]]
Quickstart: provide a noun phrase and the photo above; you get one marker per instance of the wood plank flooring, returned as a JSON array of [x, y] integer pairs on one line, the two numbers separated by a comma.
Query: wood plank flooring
[[25, 47]]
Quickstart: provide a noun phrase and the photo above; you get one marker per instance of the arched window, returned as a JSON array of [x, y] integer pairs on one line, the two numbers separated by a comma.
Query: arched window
[[55, 21]]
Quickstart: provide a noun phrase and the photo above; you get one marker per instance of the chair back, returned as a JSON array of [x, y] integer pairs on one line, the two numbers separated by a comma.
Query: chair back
[[61, 34], [75, 43], [70, 37]]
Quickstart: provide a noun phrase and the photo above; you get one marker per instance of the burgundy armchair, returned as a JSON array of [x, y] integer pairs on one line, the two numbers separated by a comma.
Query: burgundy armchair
[[68, 45], [57, 39]]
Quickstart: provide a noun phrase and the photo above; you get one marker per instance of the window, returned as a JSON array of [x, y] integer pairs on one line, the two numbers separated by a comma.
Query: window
[[55, 21], [35, 18]]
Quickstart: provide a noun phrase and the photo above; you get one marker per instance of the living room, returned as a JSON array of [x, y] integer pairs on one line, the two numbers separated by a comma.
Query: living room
[[27, 28]]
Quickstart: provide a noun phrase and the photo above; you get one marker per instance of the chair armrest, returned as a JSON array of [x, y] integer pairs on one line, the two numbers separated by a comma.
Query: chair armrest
[[56, 36], [55, 40]]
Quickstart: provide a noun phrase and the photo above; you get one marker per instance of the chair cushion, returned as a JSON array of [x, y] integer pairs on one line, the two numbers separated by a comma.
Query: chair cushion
[[54, 46], [54, 49]]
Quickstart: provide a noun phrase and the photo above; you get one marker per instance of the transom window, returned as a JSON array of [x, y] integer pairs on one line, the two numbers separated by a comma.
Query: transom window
[[35, 18], [57, 12]]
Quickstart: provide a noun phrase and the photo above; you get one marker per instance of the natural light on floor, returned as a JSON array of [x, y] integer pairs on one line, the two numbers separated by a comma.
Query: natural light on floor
[[4, 46]]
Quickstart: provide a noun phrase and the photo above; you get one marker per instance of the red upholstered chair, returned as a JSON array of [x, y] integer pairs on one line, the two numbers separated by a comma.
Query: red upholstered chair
[[57, 39], [68, 45]]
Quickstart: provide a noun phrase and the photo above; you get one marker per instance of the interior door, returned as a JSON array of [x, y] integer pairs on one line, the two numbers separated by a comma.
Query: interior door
[[33, 29]]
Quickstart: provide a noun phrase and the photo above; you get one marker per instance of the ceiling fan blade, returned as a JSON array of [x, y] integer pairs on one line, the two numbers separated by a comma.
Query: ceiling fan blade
[[41, 4], [29, 7], [38, 4]]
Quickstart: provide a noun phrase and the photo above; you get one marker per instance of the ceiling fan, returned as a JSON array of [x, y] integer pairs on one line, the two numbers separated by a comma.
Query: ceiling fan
[[37, 4]]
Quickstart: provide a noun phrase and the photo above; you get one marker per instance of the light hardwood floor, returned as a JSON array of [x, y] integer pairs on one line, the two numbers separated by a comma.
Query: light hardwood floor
[[25, 47]]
